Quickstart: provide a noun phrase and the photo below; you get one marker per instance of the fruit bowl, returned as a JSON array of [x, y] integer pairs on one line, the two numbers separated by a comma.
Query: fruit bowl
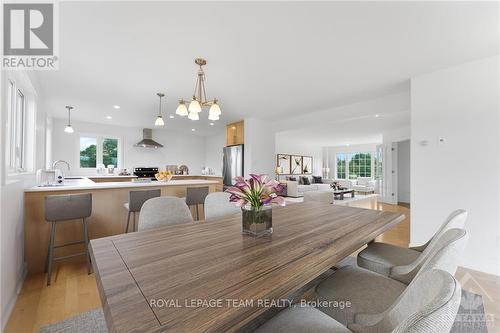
[[163, 176]]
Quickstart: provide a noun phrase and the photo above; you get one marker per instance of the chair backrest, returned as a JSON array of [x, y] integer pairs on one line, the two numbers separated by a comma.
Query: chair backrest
[[363, 181], [196, 195], [162, 211], [319, 196], [137, 198], [217, 205], [68, 207], [443, 254], [428, 305], [455, 220]]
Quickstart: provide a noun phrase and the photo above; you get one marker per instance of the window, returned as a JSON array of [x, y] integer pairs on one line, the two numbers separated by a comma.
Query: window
[[359, 165], [354, 165], [16, 117], [88, 152], [341, 170], [95, 150]]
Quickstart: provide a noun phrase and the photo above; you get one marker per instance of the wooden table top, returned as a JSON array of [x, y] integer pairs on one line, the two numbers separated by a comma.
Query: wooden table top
[[149, 280]]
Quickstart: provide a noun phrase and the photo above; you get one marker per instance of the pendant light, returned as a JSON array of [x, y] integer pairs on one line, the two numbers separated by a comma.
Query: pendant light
[[159, 120], [69, 128]]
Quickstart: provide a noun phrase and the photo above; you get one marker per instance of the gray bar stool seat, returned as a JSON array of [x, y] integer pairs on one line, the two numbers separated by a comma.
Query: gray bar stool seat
[[59, 208], [135, 201], [196, 196]]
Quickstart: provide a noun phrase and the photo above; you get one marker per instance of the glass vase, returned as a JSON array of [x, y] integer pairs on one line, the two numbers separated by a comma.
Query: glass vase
[[257, 222]]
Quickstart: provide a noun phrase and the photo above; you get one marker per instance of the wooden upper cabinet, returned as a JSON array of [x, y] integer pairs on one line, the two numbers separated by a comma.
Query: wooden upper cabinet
[[235, 133]]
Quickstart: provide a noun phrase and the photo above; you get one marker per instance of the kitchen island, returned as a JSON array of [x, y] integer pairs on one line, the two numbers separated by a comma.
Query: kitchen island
[[108, 214]]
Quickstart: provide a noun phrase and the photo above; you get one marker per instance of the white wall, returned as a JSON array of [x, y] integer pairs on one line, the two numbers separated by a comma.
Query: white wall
[[214, 145], [178, 148], [459, 104], [12, 268], [403, 171], [259, 153]]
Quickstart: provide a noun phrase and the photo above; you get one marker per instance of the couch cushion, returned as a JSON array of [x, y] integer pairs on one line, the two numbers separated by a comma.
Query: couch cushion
[[317, 179], [304, 180]]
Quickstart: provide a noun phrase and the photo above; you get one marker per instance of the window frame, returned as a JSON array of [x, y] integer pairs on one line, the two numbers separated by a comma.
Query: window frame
[[99, 149], [349, 153], [17, 128]]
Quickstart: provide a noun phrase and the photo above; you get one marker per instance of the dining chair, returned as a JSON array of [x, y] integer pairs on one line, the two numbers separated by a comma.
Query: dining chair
[[428, 305], [394, 261], [162, 211], [196, 196], [62, 208], [135, 201], [319, 196], [370, 293], [217, 204]]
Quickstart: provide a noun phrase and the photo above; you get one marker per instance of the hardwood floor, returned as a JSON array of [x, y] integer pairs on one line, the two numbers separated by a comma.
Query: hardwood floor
[[73, 291]]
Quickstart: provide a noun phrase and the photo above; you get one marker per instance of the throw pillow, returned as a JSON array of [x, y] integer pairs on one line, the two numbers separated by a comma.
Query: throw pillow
[[317, 180], [292, 179], [305, 181]]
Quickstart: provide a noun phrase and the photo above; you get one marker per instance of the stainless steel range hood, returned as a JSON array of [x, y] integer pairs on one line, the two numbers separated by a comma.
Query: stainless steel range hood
[[147, 140]]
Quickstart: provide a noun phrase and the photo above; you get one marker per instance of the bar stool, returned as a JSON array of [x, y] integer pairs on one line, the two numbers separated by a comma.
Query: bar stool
[[196, 196], [135, 201], [59, 208]]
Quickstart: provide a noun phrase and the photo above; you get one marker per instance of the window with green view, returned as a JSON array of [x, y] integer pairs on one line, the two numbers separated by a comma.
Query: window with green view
[[341, 169], [88, 152], [360, 165]]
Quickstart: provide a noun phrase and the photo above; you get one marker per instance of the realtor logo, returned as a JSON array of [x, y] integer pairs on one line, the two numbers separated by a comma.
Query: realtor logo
[[29, 36]]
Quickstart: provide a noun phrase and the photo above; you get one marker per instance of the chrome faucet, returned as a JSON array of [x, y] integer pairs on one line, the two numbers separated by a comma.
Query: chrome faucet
[[59, 161]]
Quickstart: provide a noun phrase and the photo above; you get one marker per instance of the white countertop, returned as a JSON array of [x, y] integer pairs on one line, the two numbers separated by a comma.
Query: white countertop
[[87, 184], [107, 176]]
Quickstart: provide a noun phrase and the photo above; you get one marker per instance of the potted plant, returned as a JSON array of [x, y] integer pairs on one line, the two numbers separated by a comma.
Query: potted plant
[[256, 196]]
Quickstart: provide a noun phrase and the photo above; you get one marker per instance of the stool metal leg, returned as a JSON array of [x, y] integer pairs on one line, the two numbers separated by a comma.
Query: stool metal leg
[[128, 221], [86, 238], [135, 226], [197, 214], [51, 251]]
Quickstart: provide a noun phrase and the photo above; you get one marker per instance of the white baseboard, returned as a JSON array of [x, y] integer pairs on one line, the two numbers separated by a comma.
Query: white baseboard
[[12, 301]]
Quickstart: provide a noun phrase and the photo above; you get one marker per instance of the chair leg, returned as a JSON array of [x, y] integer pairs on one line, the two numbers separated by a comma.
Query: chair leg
[[51, 252], [128, 221], [86, 238], [135, 226], [197, 214]]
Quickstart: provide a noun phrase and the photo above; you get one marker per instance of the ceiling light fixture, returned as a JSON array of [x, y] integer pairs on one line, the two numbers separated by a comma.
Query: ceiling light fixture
[[69, 128], [116, 107], [159, 120], [376, 116], [109, 117], [199, 99], [171, 116], [212, 124], [192, 129]]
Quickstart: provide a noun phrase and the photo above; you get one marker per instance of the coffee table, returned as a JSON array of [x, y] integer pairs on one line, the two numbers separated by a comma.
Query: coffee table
[[340, 193]]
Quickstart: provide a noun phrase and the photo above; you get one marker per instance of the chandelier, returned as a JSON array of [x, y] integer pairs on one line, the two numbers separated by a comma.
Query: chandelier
[[199, 99]]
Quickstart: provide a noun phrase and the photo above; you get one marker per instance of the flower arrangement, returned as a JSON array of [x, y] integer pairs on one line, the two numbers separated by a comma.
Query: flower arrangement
[[256, 192]]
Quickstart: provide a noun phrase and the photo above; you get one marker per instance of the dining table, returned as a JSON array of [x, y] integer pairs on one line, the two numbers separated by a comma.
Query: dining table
[[206, 276]]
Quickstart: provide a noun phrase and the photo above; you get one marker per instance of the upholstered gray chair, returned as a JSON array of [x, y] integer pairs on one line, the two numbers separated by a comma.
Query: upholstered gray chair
[[319, 196], [196, 196], [217, 205], [135, 201], [428, 305], [401, 263], [370, 292], [66, 207], [162, 211]]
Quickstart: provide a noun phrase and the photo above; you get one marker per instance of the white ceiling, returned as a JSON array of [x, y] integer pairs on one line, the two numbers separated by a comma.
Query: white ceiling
[[264, 59]]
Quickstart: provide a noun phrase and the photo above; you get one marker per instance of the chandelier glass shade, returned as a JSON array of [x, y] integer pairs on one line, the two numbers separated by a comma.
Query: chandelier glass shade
[[199, 100], [181, 109], [194, 116]]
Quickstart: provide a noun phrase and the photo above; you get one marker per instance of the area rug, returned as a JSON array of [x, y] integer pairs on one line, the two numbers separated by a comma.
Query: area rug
[[470, 319]]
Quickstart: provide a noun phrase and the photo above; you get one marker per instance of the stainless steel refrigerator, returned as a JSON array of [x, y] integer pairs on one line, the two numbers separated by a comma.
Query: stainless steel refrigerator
[[232, 164]]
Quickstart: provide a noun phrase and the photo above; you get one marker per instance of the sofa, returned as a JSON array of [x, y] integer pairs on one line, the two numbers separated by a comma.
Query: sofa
[[296, 190]]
